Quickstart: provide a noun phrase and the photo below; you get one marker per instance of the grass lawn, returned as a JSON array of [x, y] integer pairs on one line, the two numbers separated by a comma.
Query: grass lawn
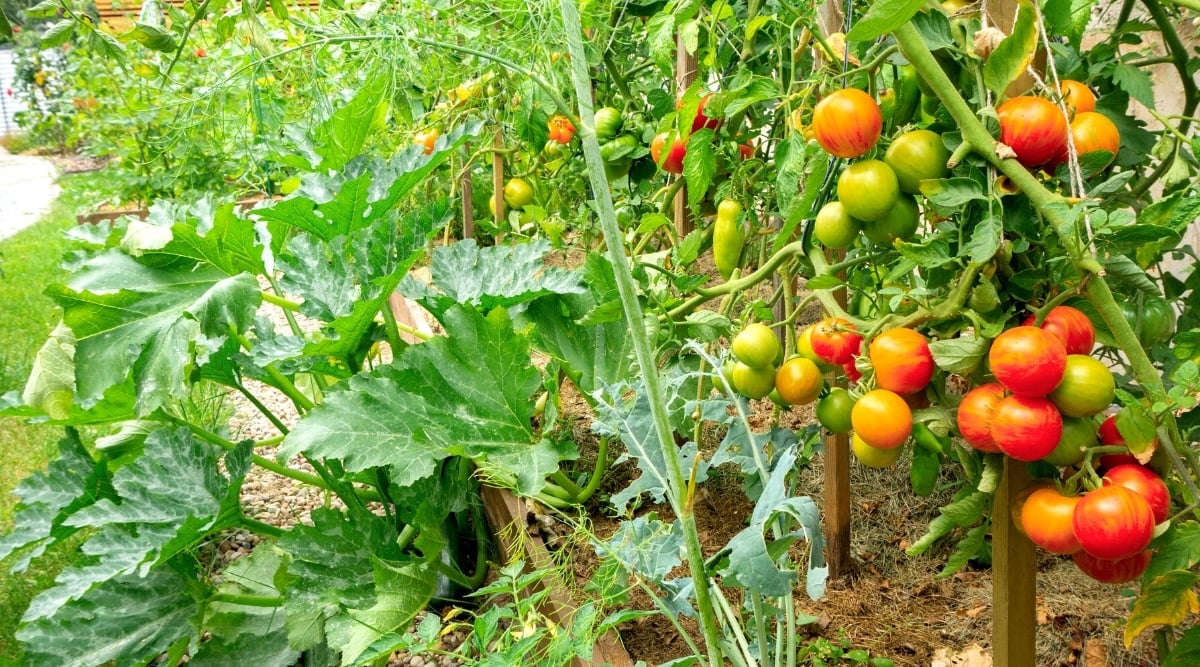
[[30, 261]]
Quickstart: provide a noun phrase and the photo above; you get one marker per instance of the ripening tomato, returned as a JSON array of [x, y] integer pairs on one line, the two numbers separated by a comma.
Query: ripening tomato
[[1078, 435], [834, 227], [868, 189], [1070, 326], [1046, 518], [805, 349], [701, 121], [756, 346], [873, 457], [1087, 387], [902, 360], [975, 416], [851, 370], [1112, 522], [427, 139], [1034, 128], [1077, 96], [561, 129], [799, 381], [518, 193], [835, 341], [1027, 361], [1145, 483], [847, 123], [1092, 131], [833, 411], [917, 156], [752, 382], [1119, 571], [672, 162], [882, 419], [1109, 435], [1026, 428]]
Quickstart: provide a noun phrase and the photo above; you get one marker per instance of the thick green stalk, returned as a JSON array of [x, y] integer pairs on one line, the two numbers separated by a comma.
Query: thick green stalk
[[633, 314], [1054, 209]]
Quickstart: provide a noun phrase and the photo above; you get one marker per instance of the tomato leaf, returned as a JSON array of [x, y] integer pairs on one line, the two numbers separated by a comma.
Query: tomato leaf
[[1176, 549], [882, 17], [824, 282], [1014, 54], [958, 355], [1136, 427], [1186, 650], [948, 194], [1068, 18], [968, 547], [751, 563], [794, 157], [1167, 600], [699, 165], [1134, 81], [58, 34], [929, 254], [985, 239], [129, 620]]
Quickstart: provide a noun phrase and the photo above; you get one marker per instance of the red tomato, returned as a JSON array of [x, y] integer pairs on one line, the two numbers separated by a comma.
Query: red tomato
[[902, 360], [847, 123], [561, 129], [1034, 128], [1026, 428], [1112, 571], [746, 150], [701, 121], [1077, 96], [852, 372], [975, 416], [1145, 483], [1070, 326], [836, 341], [1046, 518], [428, 139], [1109, 435], [882, 419], [1113, 522], [673, 162], [1028, 361]]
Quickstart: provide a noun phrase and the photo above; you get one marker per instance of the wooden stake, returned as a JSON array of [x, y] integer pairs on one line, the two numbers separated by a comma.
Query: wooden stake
[[685, 74], [837, 480], [498, 183], [468, 209], [1014, 578]]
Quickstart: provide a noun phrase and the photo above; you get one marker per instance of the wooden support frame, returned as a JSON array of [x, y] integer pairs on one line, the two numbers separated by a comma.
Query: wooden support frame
[[685, 75], [1014, 578], [837, 480]]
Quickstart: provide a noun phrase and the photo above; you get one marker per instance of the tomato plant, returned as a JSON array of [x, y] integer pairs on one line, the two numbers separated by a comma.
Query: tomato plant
[[1027, 361], [1034, 128], [882, 419], [901, 359], [562, 130], [1112, 522], [847, 123]]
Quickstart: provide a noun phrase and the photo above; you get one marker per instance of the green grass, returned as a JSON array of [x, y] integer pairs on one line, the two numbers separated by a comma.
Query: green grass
[[30, 261]]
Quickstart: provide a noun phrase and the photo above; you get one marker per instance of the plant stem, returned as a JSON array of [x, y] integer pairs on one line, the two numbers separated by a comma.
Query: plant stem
[[278, 379], [390, 327], [286, 304], [247, 600], [261, 527], [634, 316], [263, 409], [593, 482]]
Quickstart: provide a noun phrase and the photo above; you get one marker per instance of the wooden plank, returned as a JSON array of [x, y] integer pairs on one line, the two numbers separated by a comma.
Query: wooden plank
[[837, 480], [1014, 578], [141, 213], [507, 515], [498, 183], [468, 209]]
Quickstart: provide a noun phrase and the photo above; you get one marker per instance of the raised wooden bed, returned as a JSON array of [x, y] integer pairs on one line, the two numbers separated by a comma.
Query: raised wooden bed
[[141, 213]]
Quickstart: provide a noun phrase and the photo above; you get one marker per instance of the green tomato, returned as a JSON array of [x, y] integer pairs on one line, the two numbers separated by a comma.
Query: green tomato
[[899, 224], [517, 193], [868, 189], [753, 382], [1153, 321], [1077, 436], [608, 123], [756, 346], [834, 227], [833, 411], [617, 155], [916, 156]]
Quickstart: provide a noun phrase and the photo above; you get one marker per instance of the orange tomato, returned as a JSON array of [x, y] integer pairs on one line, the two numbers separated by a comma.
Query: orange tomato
[[882, 419]]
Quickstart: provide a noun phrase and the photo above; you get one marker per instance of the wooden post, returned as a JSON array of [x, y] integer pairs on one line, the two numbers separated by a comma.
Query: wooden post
[[468, 209], [837, 480], [498, 182], [685, 74], [1014, 578]]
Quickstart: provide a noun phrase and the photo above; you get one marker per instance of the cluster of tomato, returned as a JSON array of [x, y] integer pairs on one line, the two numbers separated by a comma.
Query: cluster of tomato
[[1037, 132], [1043, 406], [753, 372], [876, 197]]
